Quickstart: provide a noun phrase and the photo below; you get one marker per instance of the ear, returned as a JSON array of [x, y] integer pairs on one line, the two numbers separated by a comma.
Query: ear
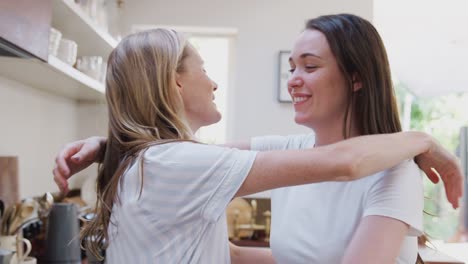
[[357, 83], [178, 81]]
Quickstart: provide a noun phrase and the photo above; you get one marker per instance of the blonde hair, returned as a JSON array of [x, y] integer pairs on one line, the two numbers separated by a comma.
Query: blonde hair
[[144, 108]]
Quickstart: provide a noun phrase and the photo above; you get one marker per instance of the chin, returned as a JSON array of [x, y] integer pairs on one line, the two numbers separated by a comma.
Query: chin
[[303, 120], [218, 117], [215, 118]]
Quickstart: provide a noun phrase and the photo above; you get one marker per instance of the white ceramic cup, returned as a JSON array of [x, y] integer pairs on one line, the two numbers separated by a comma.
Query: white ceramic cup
[[91, 66], [29, 260], [54, 41], [26, 260], [67, 51], [12, 243]]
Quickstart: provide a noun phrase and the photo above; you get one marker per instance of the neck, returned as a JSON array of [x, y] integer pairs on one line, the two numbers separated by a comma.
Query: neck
[[193, 125], [332, 132]]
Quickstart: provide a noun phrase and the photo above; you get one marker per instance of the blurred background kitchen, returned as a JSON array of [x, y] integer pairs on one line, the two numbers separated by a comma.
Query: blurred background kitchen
[[53, 62]]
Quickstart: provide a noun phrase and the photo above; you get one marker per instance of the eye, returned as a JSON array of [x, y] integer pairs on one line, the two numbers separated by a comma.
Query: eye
[[310, 67], [291, 70]]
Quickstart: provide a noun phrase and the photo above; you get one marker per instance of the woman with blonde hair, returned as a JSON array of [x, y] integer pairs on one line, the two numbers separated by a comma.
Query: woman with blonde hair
[[162, 195]]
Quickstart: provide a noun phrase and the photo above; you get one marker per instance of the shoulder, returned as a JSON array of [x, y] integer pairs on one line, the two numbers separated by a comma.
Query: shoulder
[[194, 155], [407, 166], [406, 172], [398, 193], [275, 142], [402, 182], [182, 149], [302, 141]]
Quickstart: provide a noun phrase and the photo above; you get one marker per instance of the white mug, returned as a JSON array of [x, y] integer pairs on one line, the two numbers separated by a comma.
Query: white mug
[[27, 260], [14, 243], [54, 41], [67, 51]]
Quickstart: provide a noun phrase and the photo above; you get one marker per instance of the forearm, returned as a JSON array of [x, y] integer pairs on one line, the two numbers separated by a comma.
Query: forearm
[[370, 154], [343, 161], [245, 255]]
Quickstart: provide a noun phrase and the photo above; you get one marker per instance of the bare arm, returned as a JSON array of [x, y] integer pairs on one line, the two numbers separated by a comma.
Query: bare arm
[[343, 161], [245, 255], [435, 162], [356, 156], [378, 239], [77, 156]]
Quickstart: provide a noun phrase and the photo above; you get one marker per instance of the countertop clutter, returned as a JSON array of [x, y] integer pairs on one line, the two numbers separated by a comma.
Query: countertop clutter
[[249, 222], [44, 230]]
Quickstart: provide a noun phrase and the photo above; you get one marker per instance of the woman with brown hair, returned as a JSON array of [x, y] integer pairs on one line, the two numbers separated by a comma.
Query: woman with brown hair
[[342, 88], [162, 195]]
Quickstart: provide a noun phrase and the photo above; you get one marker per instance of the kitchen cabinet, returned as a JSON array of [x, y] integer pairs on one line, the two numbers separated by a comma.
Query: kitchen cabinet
[[53, 75]]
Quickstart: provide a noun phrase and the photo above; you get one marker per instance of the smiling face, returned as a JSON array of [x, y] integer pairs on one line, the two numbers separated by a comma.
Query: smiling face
[[197, 90], [317, 86]]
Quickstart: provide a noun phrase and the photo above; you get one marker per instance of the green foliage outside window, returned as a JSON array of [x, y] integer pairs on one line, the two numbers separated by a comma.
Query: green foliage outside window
[[442, 117]]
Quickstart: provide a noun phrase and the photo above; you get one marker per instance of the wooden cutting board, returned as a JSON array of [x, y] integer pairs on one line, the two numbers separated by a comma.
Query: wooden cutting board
[[9, 189]]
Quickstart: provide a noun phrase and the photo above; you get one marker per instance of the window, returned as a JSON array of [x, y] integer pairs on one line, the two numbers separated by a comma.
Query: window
[[215, 53]]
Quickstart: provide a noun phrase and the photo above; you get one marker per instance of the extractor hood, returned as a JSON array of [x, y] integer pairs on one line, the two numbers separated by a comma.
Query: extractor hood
[[24, 28], [11, 50]]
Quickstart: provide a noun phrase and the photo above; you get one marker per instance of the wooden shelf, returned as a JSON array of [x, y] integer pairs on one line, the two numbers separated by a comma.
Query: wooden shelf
[[55, 77], [76, 25]]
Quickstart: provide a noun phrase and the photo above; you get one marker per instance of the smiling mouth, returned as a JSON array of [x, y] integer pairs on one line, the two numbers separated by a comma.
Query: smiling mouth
[[300, 99]]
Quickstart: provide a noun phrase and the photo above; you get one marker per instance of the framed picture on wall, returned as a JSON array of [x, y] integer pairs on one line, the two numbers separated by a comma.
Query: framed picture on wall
[[283, 75]]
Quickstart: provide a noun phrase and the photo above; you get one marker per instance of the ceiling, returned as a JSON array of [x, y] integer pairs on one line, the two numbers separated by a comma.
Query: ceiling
[[427, 43]]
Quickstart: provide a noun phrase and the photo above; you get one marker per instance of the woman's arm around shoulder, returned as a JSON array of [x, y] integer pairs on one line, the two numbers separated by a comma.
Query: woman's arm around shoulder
[[343, 161]]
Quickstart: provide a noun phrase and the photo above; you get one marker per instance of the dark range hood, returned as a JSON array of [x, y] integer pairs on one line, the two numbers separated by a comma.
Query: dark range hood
[[24, 28], [10, 50]]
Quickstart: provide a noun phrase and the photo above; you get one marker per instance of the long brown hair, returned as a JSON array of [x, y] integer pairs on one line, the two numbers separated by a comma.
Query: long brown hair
[[360, 53], [144, 108]]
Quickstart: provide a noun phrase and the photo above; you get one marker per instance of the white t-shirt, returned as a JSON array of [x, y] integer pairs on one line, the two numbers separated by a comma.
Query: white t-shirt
[[315, 223], [180, 215]]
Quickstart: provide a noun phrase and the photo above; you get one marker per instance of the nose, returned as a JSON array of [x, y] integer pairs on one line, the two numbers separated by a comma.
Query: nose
[[294, 82], [215, 86]]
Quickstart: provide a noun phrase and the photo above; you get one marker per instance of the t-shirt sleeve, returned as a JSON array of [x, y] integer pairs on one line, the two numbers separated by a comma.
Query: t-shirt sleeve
[[268, 143], [197, 180], [398, 194]]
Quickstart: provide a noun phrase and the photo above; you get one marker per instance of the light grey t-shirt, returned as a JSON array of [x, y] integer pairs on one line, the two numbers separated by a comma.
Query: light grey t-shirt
[[180, 215], [315, 223]]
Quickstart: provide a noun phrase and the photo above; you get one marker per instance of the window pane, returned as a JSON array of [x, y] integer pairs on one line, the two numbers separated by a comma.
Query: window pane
[[215, 53]]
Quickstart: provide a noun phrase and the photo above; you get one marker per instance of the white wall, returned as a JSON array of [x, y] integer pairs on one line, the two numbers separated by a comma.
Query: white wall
[[34, 125], [264, 28]]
